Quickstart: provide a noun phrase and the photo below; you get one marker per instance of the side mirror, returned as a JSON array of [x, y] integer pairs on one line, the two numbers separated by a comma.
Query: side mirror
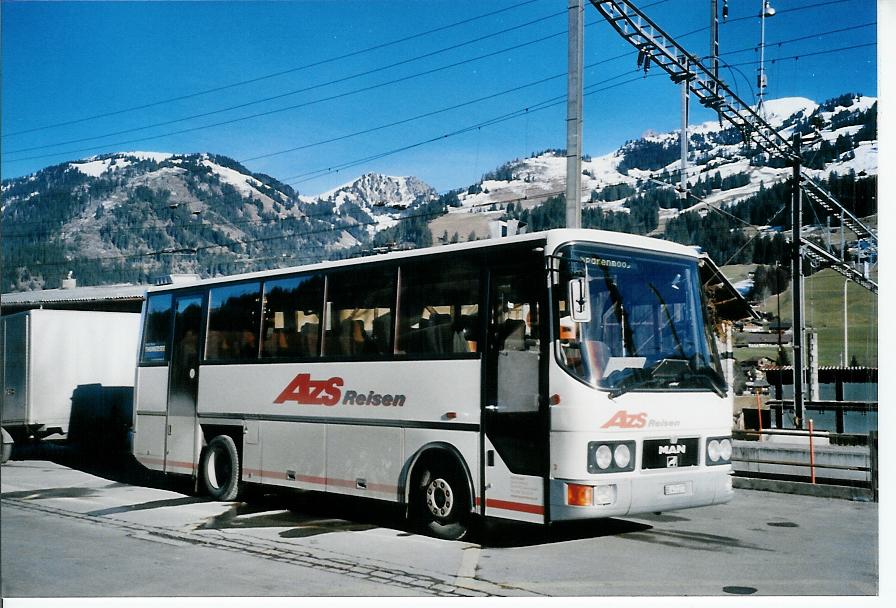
[[579, 300]]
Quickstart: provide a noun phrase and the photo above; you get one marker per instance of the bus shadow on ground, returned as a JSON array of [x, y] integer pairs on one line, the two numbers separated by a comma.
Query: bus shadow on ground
[[506, 535], [305, 514], [95, 459]]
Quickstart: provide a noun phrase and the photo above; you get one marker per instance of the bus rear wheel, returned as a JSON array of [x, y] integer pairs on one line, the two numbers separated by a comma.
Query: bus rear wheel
[[441, 503], [220, 469]]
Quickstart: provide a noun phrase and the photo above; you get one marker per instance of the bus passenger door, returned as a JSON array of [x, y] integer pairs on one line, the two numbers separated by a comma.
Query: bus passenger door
[[183, 387], [515, 441]]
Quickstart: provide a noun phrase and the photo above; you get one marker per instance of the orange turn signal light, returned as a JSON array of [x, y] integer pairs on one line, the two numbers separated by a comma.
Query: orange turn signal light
[[579, 496]]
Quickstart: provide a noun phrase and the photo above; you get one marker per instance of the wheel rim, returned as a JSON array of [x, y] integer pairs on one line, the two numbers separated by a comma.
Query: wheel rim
[[439, 498]]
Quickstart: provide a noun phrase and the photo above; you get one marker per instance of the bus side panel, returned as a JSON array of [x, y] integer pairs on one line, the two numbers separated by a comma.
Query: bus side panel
[[364, 460], [150, 406], [465, 442], [421, 391], [149, 441], [510, 495], [292, 455]]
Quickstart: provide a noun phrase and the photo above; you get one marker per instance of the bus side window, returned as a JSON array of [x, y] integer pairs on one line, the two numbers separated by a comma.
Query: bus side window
[[291, 318], [439, 308], [233, 322], [359, 313]]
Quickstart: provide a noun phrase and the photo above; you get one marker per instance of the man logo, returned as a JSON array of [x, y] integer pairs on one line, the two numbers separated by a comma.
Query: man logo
[[671, 461], [673, 449]]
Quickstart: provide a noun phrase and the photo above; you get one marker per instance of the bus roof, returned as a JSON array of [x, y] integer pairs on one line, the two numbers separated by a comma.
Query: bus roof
[[551, 238]]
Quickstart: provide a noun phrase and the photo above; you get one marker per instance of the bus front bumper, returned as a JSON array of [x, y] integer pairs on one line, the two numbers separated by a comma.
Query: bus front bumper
[[644, 493]]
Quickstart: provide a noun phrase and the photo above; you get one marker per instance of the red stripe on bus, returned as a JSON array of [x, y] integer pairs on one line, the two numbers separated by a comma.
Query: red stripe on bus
[[180, 465], [514, 506]]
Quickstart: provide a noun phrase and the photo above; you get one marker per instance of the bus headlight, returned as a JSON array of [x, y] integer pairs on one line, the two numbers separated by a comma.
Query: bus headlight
[[725, 448], [611, 456], [713, 451], [622, 455], [718, 450], [603, 457]]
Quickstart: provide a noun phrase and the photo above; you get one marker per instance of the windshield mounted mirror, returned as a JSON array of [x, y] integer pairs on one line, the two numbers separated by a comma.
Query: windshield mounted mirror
[[579, 300]]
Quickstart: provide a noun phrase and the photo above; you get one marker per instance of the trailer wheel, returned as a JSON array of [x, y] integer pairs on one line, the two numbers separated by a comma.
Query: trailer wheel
[[440, 501], [220, 469]]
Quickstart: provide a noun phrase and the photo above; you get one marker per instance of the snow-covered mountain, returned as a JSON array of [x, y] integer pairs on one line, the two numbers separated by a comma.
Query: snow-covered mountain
[[384, 198], [713, 148]]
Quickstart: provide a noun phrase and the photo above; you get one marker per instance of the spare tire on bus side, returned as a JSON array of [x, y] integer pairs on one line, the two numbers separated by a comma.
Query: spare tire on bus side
[[219, 469]]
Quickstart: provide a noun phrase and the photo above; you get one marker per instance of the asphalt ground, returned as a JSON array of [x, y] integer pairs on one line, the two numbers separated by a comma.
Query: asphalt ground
[[75, 528]]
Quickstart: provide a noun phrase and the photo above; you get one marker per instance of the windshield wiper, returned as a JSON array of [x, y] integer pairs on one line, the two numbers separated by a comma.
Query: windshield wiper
[[669, 372], [653, 377]]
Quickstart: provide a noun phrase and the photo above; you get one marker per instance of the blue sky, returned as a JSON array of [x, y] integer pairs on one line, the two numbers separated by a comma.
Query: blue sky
[[65, 62]]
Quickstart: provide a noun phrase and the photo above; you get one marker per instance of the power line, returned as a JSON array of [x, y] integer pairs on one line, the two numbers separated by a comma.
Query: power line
[[293, 107], [318, 86], [305, 104], [275, 74], [790, 10], [810, 36], [549, 103], [313, 102], [308, 176]]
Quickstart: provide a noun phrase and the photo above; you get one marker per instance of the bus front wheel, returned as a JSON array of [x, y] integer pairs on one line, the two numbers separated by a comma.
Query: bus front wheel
[[441, 504], [220, 469]]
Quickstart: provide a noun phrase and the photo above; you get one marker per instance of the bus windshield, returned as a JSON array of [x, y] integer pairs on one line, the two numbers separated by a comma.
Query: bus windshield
[[638, 322]]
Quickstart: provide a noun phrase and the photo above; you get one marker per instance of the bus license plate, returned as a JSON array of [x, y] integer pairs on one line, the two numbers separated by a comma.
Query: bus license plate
[[674, 489]]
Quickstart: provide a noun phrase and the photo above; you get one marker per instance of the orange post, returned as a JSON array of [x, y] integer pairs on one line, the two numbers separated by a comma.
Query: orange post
[[759, 411], [811, 451]]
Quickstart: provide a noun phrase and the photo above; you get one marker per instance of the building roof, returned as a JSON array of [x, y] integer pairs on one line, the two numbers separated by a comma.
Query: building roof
[[116, 297]]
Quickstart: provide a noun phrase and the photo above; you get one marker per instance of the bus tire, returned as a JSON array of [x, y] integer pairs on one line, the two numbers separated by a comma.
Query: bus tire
[[6, 446], [440, 505], [220, 469]]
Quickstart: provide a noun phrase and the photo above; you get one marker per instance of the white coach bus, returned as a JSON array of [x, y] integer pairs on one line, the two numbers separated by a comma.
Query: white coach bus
[[561, 375]]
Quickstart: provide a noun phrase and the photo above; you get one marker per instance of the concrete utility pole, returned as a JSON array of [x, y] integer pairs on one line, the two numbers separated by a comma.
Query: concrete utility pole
[[685, 106], [574, 116], [797, 261]]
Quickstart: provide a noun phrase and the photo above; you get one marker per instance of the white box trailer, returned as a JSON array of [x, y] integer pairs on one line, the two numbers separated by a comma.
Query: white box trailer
[[51, 356]]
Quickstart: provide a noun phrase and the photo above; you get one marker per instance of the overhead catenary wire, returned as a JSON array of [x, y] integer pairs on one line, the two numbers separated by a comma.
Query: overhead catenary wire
[[314, 87], [304, 177], [279, 73], [337, 96]]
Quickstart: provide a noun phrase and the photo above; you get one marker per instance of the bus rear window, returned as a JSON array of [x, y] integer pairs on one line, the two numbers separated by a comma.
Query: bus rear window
[[157, 332]]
